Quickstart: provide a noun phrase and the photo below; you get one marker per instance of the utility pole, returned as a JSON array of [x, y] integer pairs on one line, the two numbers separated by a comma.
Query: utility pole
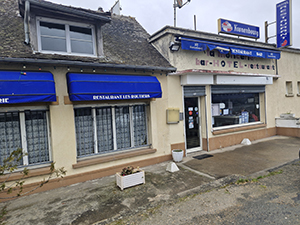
[[179, 4]]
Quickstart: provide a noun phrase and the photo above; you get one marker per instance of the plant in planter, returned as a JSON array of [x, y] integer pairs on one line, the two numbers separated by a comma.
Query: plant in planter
[[129, 177], [177, 155]]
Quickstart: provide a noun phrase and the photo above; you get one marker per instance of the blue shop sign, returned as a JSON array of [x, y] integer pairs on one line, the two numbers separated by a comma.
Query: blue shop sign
[[224, 48], [239, 29], [284, 23]]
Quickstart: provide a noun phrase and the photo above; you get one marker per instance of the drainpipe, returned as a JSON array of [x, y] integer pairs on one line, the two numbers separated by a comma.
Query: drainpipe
[[206, 121], [26, 22]]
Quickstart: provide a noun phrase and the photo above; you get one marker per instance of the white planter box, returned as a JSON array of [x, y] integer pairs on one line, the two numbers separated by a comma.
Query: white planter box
[[130, 180], [177, 155]]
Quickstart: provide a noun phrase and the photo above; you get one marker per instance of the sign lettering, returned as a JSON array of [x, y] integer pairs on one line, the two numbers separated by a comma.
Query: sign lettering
[[4, 100], [217, 60], [120, 97]]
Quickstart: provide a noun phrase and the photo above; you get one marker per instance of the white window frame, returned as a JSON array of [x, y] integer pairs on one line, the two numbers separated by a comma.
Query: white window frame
[[21, 112], [115, 148], [298, 87], [68, 39], [261, 120]]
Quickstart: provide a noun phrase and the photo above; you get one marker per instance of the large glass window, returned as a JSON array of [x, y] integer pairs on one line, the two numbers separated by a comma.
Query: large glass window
[[107, 129], [27, 130], [53, 37], [238, 108], [66, 38]]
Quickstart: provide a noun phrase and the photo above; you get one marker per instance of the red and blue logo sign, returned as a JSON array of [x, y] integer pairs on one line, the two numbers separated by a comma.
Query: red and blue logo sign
[[284, 24], [226, 26], [239, 29]]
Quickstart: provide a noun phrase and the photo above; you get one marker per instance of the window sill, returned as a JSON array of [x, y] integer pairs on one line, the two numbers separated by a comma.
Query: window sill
[[32, 173], [289, 95], [113, 157], [237, 129]]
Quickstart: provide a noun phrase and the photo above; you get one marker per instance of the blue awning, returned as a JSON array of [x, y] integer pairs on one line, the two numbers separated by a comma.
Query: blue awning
[[93, 87], [25, 87], [200, 45]]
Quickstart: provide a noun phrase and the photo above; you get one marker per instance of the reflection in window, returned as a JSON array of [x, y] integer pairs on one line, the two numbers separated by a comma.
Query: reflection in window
[[81, 40], [230, 109], [53, 37], [66, 38]]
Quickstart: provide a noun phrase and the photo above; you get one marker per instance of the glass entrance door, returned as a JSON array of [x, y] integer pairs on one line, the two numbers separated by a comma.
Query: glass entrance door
[[192, 122]]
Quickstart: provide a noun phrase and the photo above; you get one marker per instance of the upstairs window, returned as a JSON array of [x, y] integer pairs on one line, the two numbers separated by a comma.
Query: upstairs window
[[65, 38]]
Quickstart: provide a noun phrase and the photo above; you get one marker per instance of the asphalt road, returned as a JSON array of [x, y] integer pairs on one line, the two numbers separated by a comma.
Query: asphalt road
[[203, 191], [274, 199]]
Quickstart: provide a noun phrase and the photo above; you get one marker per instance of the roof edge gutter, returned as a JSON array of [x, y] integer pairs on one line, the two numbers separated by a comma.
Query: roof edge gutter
[[26, 22], [91, 64], [64, 8]]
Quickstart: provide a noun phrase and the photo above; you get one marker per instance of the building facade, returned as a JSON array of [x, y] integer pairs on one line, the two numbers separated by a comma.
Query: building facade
[[81, 88], [231, 88]]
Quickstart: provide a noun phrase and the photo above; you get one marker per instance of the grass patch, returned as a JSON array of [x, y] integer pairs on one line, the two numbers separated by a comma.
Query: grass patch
[[243, 181], [274, 173]]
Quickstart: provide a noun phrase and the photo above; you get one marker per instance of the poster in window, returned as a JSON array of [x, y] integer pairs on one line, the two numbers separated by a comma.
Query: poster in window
[[191, 122], [215, 109]]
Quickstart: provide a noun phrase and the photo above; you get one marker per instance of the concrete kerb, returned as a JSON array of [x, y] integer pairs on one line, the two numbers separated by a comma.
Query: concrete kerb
[[269, 170], [230, 180], [211, 185]]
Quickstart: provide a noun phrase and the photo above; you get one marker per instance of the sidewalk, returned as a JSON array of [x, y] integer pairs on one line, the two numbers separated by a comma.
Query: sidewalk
[[101, 201]]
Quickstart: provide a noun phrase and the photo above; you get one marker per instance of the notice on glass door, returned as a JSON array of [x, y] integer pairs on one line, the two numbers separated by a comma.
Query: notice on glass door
[[191, 122]]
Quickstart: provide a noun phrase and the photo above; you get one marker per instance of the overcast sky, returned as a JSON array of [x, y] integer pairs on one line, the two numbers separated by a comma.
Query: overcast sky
[[155, 14]]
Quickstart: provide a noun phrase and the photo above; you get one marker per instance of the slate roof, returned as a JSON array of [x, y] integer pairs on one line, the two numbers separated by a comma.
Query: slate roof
[[124, 41]]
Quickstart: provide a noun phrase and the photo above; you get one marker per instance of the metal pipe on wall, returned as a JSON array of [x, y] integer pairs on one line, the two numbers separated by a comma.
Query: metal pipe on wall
[[26, 22]]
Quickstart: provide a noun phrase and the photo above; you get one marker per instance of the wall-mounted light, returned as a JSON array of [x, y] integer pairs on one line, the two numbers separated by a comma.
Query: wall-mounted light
[[174, 46]]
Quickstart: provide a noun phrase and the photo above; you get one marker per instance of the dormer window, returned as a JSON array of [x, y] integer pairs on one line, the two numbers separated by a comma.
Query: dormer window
[[65, 38]]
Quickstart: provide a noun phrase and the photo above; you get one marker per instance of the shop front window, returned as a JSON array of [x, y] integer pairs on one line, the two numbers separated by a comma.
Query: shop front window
[[108, 129], [236, 108]]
